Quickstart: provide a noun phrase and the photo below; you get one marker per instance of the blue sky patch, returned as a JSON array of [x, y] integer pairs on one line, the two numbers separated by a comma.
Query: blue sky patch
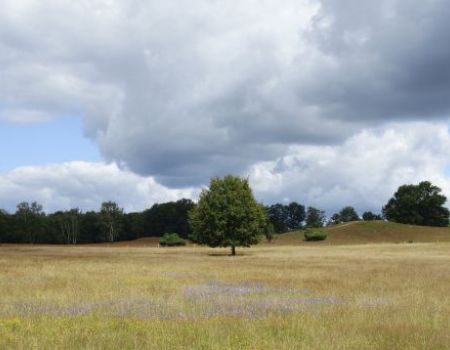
[[56, 141]]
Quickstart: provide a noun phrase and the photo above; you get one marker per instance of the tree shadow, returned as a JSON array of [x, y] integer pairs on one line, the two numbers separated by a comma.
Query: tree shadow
[[227, 254]]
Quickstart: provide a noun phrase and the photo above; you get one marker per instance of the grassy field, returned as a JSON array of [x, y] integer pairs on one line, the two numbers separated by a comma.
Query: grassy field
[[371, 296], [359, 232]]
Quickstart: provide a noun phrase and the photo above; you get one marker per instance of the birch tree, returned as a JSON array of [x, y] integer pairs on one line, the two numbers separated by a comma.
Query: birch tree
[[111, 217]]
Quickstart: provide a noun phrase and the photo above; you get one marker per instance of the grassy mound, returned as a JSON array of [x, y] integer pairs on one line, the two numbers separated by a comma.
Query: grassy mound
[[361, 232]]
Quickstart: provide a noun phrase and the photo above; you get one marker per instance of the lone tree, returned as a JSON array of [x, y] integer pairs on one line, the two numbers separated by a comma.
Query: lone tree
[[227, 215], [420, 204]]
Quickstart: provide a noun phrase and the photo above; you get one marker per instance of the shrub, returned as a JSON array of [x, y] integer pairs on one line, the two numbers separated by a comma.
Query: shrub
[[315, 236], [171, 240]]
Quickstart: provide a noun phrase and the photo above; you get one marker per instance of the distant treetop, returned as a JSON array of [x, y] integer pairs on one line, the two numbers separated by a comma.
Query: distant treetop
[[421, 204]]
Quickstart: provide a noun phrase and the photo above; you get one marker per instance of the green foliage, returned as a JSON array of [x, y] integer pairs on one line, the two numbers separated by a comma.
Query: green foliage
[[5, 227], [315, 217], [269, 232], [420, 204], [335, 219], [278, 217], [91, 228], [67, 224], [171, 240], [30, 222], [133, 226], [369, 216], [315, 236], [111, 217], [286, 217], [168, 217], [227, 215], [348, 214]]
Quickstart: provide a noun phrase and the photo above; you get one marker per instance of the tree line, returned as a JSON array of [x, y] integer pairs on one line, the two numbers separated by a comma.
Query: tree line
[[421, 204], [30, 224]]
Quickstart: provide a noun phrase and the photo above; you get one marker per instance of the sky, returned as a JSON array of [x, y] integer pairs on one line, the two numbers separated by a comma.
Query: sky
[[327, 103]]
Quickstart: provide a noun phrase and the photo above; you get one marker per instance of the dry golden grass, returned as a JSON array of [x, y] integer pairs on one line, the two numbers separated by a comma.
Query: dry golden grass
[[372, 296]]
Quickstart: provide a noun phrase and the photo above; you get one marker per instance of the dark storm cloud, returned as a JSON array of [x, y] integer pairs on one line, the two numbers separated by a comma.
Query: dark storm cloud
[[389, 59]]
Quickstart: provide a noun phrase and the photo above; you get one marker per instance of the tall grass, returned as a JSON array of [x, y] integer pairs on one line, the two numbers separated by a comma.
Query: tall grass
[[389, 296]]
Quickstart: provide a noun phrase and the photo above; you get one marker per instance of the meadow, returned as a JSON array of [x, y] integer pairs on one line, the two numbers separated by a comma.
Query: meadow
[[271, 296]]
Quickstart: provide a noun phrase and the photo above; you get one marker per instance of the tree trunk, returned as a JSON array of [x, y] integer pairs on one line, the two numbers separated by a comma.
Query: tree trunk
[[233, 250]]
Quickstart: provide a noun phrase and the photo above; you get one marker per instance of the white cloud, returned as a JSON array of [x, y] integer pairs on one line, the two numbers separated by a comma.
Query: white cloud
[[364, 171], [83, 185], [24, 116]]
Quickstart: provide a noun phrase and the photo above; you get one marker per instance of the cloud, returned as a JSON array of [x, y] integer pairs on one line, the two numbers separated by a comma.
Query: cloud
[[185, 90], [364, 172], [24, 116], [83, 185], [384, 60]]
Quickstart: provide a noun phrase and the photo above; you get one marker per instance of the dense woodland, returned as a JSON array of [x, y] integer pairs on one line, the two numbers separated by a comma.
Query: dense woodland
[[30, 224], [421, 204]]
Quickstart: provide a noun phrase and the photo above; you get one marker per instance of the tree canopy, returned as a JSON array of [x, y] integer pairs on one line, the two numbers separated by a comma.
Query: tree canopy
[[369, 216], [162, 218], [227, 215], [348, 214], [111, 217], [335, 219], [286, 217], [420, 204], [30, 224], [314, 217], [30, 221]]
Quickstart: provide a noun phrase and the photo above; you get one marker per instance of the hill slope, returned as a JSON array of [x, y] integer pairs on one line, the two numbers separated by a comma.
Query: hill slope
[[361, 232]]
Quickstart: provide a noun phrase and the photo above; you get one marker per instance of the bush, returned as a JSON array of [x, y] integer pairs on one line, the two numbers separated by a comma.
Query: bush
[[315, 236], [171, 240]]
